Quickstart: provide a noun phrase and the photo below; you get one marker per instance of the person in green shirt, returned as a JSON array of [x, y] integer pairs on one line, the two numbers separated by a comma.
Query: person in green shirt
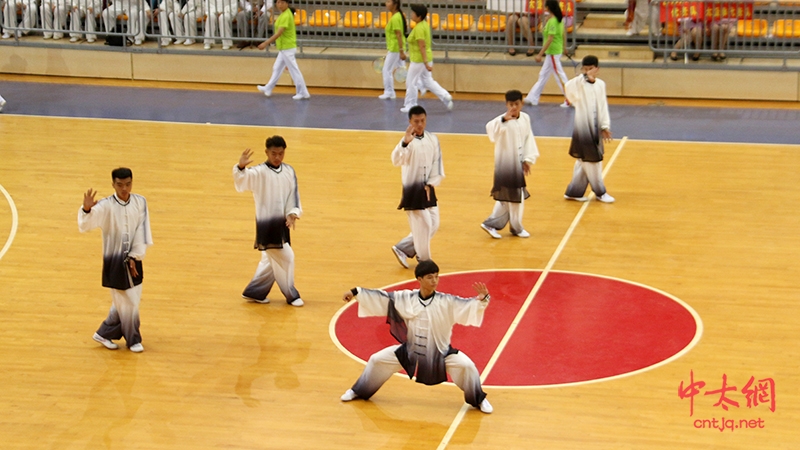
[[395, 45], [421, 56], [285, 39], [553, 35]]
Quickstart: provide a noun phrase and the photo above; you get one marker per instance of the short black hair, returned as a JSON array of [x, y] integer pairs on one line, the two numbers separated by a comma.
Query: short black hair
[[420, 10], [276, 141], [513, 95], [590, 60], [416, 111], [121, 173], [425, 267]]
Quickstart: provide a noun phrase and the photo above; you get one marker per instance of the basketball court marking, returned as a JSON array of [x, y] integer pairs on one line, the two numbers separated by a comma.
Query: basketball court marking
[[460, 416], [14, 221]]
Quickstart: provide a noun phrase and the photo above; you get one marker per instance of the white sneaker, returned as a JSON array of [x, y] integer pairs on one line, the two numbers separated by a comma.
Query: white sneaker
[[74, 39], [136, 348], [422, 92], [405, 109], [401, 257], [263, 90], [206, 46], [529, 102], [605, 198], [166, 42], [255, 300], [523, 234], [90, 40], [6, 36], [188, 42], [301, 97], [47, 36], [577, 199], [2, 103], [297, 302], [178, 41], [492, 232], [449, 103], [226, 47], [387, 96], [107, 343], [486, 407], [565, 105], [630, 32], [137, 42], [348, 396]]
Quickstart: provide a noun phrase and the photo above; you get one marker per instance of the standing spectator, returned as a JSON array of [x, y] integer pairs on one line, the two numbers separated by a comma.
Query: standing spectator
[[420, 157], [553, 34], [285, 39], [395, 32], [274, 188], [421, 55], [125, 222], [514, 152], [592, 128]]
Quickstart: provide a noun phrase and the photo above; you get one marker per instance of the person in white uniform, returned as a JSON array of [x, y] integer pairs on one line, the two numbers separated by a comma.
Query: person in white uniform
[[422, 322], [89, 11], [28, 10], [274, 187], [420, 157], [138, 18], [125, 222], [592, 128], [169, 11], [220, 17], [54, 17], [515, 151]]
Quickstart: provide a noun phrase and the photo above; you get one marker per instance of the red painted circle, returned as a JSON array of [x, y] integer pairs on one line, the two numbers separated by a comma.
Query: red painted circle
[[578, 328]]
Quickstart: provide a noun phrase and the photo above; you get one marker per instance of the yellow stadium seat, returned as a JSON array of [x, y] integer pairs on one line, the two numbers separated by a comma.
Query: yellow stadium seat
[[784, 28], [458, 22], [358, 19], [751, 28], [382, 20], [300, 17], [433, 20], [492, 22], [324, 18]]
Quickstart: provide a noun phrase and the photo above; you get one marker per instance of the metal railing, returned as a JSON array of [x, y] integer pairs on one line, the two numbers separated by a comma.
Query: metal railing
[[718, 29]]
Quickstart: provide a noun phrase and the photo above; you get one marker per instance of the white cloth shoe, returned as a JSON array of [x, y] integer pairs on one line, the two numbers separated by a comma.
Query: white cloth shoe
[[486, 407], [90, 40], [74, 39], [449, 103], [492, 232], [136, 348], [297, 302], [188, 42], [401, 257], [565, 104], [106, 343], [406, 109], [166, 42], [577, 199], [387, 96], [206, 46], [523, 234], [605, 198], [529, 102], [350, 395], [263, 90], [300, 97], [255, 300]]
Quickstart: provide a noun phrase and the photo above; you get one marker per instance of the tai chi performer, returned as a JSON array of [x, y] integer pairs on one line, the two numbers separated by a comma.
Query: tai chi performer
[[514, 152], [285, 39], [420, 157], [592, 127], [274, 187], [125, 222], [395, 31], [422, 321]]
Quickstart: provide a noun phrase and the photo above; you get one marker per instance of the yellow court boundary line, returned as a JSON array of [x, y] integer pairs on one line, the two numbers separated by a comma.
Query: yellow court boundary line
[[14, 221]]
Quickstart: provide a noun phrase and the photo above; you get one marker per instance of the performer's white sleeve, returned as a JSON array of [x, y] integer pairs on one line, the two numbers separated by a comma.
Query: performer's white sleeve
[[292, 204], [372, 302], [572, 90], [437, 171], [242, 179], [603, 118], [529, 149], [468, 311], [494, 128], [401, 155], [91, 220], [142, 238]]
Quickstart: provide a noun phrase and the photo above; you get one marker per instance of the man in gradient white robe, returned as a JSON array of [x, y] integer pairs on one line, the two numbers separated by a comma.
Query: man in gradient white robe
[[514, 152], [274, 187], [420, 157], [125, 222], [422, 321], [587, 94]]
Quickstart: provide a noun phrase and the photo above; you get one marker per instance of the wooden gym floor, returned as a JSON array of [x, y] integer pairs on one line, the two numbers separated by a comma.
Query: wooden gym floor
[[714, 225]]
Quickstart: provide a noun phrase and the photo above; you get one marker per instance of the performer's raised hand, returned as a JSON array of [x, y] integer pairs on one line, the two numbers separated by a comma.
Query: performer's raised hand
[[480, 288], [409, 134], [245, 159], [348, 296], [88, 200], [290, 220]]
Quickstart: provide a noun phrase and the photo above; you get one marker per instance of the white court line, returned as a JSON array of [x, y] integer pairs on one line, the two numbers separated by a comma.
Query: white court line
[[14, 221], [528, 300]]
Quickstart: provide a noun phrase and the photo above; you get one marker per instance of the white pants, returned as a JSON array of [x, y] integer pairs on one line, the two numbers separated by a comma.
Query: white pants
[[29, 9], [585, 174], [286, 59], [123, 318], [384, 363], [276, 266], [419, 77], [640, 15], [54, 17], [222, 20], [423, 223], [137, 19], [506, 213], [190, 23], [169, 10], [551, 66], [75, 17], [390, 63]]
